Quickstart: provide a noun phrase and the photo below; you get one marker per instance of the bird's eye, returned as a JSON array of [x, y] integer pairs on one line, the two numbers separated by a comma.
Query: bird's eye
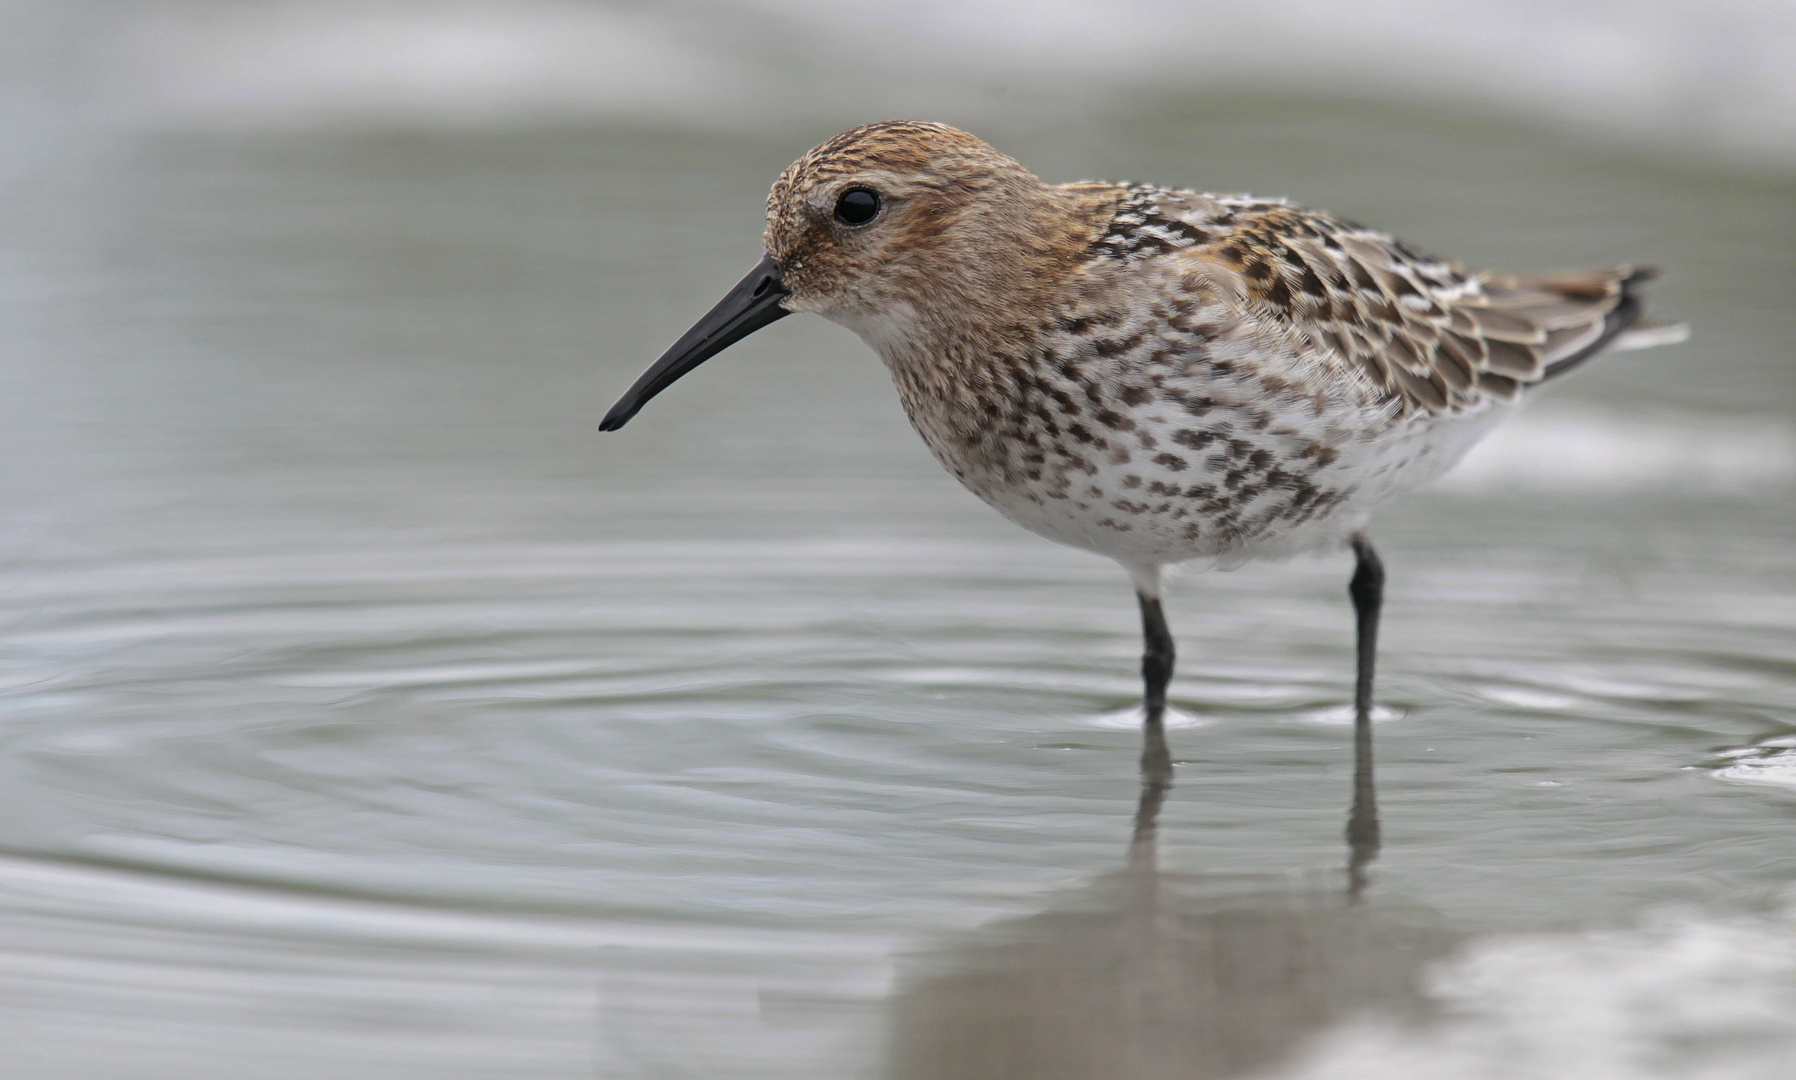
[[857, 206]]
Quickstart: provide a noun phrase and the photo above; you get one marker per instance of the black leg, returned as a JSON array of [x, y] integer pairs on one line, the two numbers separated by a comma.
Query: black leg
[[1156, 759], [1156, 672], [1156, 660], [1367, 590]]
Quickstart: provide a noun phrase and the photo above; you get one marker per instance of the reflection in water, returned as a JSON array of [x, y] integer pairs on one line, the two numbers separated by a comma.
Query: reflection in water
[[1147, 975]]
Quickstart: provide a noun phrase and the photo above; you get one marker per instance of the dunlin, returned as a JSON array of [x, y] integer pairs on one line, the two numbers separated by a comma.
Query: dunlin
[[1152, 374]]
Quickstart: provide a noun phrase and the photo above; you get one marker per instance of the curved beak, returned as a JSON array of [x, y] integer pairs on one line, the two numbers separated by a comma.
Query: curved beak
[[752, 304]]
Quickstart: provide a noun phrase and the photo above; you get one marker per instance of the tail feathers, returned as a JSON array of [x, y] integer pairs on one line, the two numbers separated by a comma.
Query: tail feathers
[[1624, 326], [1650, 333]]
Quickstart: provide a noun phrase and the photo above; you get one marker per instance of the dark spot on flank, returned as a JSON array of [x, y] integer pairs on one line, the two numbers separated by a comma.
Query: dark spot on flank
[[1131, 481], [1136, 395], [1079, 432], [1171, 462], [1196, 440], [1259, 459], [1199, 406], [1115, 421], [1148, 442], [1159, 488]]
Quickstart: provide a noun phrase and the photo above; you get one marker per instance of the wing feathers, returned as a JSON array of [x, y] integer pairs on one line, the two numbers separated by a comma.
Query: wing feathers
[[1437, 338], [1427, 334]]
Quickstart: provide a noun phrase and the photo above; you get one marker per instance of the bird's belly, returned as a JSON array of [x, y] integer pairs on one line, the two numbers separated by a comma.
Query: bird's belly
[[1226, 492]]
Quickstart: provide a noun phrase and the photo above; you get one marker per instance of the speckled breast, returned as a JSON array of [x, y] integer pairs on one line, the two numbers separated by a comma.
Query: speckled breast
[[1158, 437]]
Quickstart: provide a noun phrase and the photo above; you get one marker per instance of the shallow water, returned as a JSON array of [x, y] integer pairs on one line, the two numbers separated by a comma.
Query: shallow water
[[364, 709]]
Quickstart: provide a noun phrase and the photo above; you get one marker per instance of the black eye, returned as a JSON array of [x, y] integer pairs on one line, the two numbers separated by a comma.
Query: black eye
[[857, 206]]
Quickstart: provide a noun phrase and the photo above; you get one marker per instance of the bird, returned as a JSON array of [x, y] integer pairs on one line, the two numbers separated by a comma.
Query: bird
[[1159, 375]]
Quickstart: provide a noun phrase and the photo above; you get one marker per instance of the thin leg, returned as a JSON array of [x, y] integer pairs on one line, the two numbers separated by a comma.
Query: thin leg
[[1367, 591], [1157, 658], [1156, 672]]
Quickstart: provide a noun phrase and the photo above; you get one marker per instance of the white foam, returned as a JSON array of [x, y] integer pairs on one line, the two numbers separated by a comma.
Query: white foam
[[1771, 763], [1572, 450], [1682, 996]]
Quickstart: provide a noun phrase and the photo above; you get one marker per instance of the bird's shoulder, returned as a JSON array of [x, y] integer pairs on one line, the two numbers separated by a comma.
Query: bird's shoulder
[[1430, 336]]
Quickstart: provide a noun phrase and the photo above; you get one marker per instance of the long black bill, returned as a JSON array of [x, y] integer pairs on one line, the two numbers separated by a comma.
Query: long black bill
[[752, 304]]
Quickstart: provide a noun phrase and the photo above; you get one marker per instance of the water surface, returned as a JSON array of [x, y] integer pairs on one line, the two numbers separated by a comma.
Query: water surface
[[364, 709]]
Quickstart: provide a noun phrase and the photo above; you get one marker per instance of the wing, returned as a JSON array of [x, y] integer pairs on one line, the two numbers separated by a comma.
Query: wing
[[1432, 337]]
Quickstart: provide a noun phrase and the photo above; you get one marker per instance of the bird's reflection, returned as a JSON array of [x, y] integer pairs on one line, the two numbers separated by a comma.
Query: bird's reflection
[[1145, 975]]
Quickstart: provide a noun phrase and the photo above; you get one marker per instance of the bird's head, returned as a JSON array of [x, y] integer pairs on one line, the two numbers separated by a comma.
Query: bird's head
[[902, 231]]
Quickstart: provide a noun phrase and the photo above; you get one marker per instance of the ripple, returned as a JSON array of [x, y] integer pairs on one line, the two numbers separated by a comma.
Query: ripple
[[1343, 715], [1132, 717]]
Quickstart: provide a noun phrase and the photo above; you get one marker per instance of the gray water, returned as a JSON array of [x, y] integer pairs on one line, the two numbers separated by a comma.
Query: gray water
[[365, 713]]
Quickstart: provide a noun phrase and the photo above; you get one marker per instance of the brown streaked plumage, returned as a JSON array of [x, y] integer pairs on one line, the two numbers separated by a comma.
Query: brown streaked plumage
[[1152, 374]]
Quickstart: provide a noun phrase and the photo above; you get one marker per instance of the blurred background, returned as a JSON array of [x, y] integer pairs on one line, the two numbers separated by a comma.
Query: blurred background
[[364, 712]]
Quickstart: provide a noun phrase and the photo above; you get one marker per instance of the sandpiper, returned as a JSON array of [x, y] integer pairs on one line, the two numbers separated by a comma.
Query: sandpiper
[[1153, 374]]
